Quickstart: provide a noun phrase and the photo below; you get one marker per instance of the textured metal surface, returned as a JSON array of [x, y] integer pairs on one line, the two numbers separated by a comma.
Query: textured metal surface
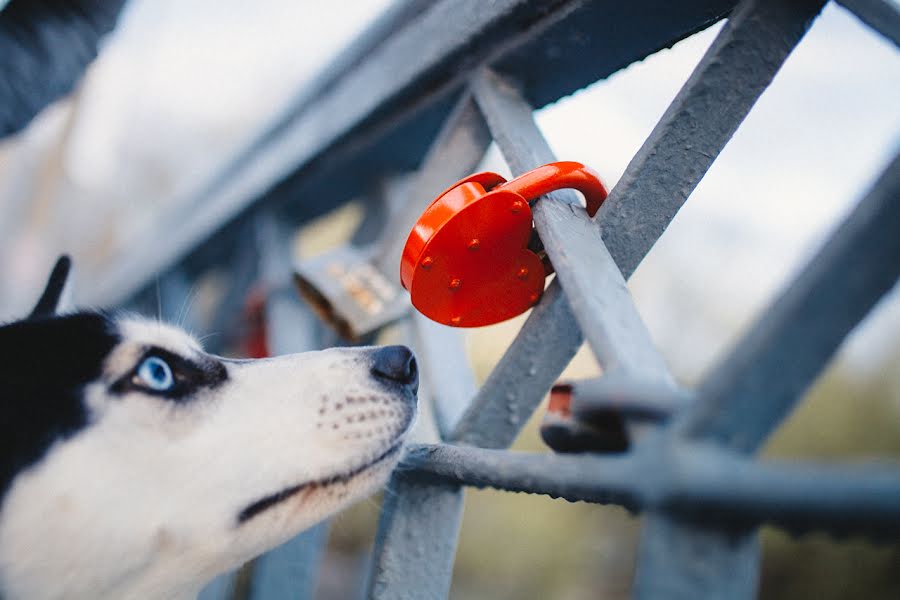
[[409, 563], [594, 286], [551, 334], [290, 570], [762, 379], [541, 350], [717, 489], [587, 477], [734, 72], [881, 15], [678, 559]]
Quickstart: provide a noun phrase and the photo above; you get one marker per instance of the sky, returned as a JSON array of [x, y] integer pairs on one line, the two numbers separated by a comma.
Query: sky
[[181, 86]]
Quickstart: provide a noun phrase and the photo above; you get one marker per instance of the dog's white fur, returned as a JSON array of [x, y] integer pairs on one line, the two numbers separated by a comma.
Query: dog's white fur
[[143, 502]]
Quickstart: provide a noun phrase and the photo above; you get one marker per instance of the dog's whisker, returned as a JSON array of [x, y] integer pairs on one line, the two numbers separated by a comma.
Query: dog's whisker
[[389, 491], [194, 292], [158, 301], [202, 339], [186, 305]]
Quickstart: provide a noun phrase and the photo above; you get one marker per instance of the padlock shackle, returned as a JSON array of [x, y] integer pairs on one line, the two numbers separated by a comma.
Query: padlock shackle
[[557, 176]]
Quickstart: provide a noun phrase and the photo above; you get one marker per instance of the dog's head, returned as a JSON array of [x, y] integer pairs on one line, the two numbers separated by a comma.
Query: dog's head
[[134, 464]]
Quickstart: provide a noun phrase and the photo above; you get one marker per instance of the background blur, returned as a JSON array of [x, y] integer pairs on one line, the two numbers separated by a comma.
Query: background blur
[[181, 86]]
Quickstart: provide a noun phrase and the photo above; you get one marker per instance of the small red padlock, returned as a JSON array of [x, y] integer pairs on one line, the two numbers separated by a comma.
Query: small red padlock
[[467, 262]]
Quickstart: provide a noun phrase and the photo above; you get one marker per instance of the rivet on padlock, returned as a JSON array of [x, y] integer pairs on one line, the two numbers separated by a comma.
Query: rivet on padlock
[[478, 232]]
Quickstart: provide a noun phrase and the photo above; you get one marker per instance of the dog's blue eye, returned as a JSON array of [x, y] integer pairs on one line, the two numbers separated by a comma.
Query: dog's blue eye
[[156, 374]]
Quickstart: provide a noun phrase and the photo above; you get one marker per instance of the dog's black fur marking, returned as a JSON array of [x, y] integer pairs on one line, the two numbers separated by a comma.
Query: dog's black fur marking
[[48, 304], [44, 365], [190, 376]]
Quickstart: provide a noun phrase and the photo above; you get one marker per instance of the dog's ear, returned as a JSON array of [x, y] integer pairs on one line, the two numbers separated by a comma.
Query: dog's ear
[[48, 304]]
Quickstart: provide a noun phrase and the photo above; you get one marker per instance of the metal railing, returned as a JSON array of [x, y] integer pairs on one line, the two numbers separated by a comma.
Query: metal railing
[[464, 73]]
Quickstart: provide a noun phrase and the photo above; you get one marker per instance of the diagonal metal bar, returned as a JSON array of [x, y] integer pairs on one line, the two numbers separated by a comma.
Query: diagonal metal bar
[[736, 69], [545, 344], [593, 284], [881, 15], [550, 336], [760, 381], [701, 483]]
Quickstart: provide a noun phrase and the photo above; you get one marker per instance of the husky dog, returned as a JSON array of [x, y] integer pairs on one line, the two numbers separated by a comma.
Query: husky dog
[[135, 465]]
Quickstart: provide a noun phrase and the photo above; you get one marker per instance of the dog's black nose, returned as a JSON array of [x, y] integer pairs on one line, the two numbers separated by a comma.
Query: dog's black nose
[[396, 363]]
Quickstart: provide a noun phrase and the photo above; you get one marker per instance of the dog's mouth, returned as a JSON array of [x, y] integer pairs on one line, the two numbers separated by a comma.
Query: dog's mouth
[[267, 502]]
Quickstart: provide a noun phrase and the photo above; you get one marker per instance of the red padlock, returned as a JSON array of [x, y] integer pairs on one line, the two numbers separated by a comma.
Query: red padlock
[[467, 262]]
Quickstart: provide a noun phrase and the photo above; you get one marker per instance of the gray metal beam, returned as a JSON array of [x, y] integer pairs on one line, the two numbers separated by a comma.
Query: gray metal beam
[[416, 541], [881, 15], [375, 115], [551, 336], [685, 559], [758, 384], [714, 489], [620, 341], [736, 69], [545, 344], [575, 477], [594, 287], [733, 73]]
